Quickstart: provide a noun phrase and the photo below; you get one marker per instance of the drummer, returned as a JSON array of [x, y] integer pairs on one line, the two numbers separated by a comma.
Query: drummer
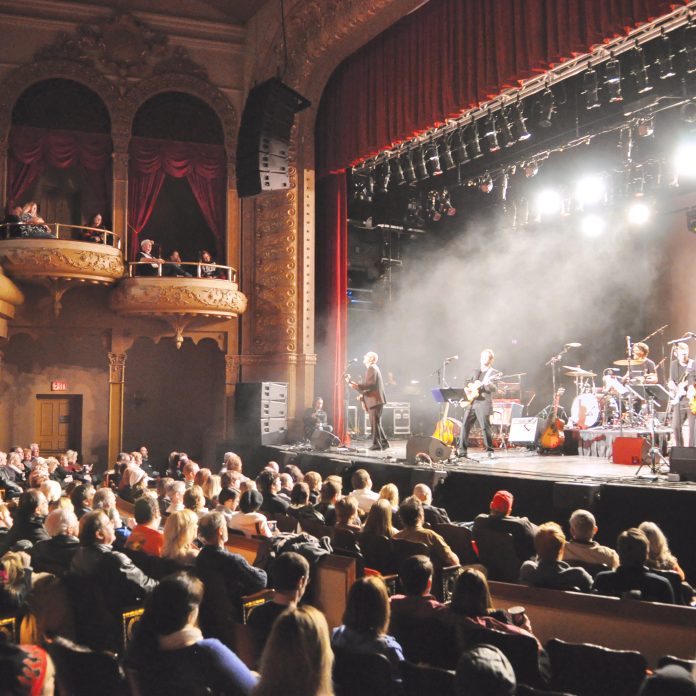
[[643, 370]]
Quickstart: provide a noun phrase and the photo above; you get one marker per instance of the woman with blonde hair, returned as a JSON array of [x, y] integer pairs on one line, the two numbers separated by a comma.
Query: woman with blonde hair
[[297, 659], [659, 555], [15, 581], [195, 500], [180, 533], [379, 520], [211, 490]]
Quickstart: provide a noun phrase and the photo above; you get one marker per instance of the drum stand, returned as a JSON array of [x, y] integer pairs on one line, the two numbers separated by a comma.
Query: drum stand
[[655, 459]]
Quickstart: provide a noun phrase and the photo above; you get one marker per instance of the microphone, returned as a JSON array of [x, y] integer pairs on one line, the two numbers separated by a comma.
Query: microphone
[[573, 345], [352, 360], [451, 358]]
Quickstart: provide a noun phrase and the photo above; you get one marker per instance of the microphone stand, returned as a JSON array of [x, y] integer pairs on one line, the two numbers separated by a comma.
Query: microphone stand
[[553, 361]]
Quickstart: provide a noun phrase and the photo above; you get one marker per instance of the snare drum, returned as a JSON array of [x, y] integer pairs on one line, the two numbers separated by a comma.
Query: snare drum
[[585, 410]]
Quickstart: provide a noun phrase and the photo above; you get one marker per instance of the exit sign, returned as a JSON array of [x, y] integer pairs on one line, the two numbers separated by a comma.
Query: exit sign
[[58, 385]]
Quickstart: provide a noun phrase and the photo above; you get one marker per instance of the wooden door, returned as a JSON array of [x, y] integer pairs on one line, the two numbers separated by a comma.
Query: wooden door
[[54, 424]]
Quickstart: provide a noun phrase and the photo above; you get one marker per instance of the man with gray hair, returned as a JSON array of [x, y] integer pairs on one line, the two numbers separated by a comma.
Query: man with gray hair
[[582, 548], [55, 554], [175, 493], [373, 397]]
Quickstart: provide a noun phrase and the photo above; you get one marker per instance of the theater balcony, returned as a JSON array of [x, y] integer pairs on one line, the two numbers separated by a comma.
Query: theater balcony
[[207, 291], [60, 257]]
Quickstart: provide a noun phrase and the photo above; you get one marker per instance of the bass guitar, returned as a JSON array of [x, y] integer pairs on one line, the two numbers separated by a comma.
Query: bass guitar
[[553, 436]]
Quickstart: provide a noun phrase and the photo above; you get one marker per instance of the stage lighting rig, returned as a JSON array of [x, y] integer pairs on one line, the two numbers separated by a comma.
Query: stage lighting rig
[[625, 143], [473, 144], [547, 108], [688, 50], [640, 71], [432, 158], [485, 183], [612, 79], [443, 148], [418, 157], [519, 122], [408, 168], [458, 147], [638, 212], [665, 67], [590, 88], [397, 171], [504, 128], [383, 177], [490, 133]]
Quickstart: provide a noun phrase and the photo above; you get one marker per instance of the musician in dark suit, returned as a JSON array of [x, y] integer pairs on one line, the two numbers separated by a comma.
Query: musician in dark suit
[[682, 378], [374, 398], [481, 407]]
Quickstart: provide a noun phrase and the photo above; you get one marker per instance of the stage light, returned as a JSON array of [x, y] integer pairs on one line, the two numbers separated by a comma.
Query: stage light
[[431, 208], [549, 202], [612, 79], [519, 123], [443, 148], [646, 127], [687, 113], [473, 144], [432, 159], [383, 176], [445, 204], [590, 190], [664, 57], [505, 131], [408, 169], [590, 89], [625, 143], [458, 147], [530, 169], [397, 171], [489, 133], [420, 164], [638, 212], [486, 183], [685, 160], [593, 226], [640, 71], [547, 108], [688, 49], [503, 182]]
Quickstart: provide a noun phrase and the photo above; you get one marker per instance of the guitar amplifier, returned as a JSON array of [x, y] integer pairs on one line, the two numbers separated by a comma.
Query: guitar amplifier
[[504, 410], [396, 419]]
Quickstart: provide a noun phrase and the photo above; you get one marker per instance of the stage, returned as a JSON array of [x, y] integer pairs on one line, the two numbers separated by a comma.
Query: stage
[[546, 487]]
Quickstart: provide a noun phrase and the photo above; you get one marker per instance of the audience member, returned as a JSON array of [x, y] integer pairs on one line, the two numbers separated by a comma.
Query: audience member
[[582, 548], [313, 480], [483, 670], [211, 490], [549, 570], [315, 418], [300, 507], [188, 472], [54, 555], [146, 535], [390, 493], [105, 499], [670, 680], [362, 490], [194, 500], [28, 524], [180, 533], [433, 515], [228, 500], [286, 484], [297, 660], [347, 514], [659, 555], [15, 582], [500, 520], [148, 264], [175, 493], [268, 482], [411, 513], [173, 267], [632, 578], [26, 670], [249, 520], [326, 506], [81, 498], [379, 520]]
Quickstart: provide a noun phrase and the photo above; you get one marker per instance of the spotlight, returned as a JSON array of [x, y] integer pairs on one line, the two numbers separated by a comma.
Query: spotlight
[[432, 159], [360, 192], [431, 207], [383, 176], [473, 144], [612, 79], [664, 57], [486, 183], [489, 133], [519, 122], [505, 130], [503, 186], [638, 212], [458, 147], [445, 204], [685, 160], [530, 169], [397, 171], [547, 108], [549, 202], [626, 143], [370, 183], [408, 169], [640, 71], [445, 153], [590, 89], [593, 226], [689, 48], [646, 127], [590, 190], [420, 164]]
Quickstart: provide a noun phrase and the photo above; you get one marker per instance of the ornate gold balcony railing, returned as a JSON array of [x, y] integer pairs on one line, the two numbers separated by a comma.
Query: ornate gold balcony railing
[[60, 257], [210, 291]]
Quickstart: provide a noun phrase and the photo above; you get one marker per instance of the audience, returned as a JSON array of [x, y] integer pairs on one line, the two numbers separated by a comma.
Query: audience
[[28, 522], [379, 521], [670, 680], [582, 548], [483, 670], [249, 520], [55, 555], [347, 514], [362, 490], [146, 535], [180, 533], [659, 555], [300, 507], [228, 500], [433, 515], [313, 480], [15, 581], [268, 483], [328, 496], [548, 570]]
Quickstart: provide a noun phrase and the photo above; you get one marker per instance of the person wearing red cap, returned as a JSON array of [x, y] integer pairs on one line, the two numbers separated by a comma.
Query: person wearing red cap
[[500, 520]]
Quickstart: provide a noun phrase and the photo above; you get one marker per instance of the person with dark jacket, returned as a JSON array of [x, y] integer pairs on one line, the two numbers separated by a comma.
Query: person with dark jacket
[[268, 483], [55, 554], [433, 515], [28, 522]]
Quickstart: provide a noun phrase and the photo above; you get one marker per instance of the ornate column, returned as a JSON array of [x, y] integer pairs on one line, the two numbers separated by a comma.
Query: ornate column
[[232, 365], [120, 191], [117, 369]]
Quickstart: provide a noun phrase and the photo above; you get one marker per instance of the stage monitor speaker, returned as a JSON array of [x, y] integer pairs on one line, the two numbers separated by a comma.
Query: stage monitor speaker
[[322, 439], [682, 461], [434, 448], [264, 136], [524, 431], [629, 450], [572, 496]]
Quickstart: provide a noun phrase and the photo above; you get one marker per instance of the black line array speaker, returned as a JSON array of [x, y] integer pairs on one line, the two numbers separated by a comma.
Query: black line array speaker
[[682, 461], [261, 413], [264, 137], [434, 448]]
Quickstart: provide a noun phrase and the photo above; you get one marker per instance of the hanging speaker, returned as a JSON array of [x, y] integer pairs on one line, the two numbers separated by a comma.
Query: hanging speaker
[[264, 137]]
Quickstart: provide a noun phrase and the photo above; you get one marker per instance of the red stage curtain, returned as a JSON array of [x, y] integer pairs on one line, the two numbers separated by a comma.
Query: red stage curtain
[[205, 169], [433, 64], [331, 302], [32, 149]]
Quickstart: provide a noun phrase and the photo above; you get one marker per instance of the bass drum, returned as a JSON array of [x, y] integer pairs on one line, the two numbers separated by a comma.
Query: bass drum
[[585, 411]]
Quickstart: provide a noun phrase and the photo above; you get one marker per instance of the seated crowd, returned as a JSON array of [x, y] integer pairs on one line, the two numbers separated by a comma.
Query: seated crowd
[[150, 264], [76, 551]]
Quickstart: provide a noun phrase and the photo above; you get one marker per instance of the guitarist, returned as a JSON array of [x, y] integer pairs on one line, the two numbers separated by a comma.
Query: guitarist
[[373, 398], [481, 406], [681, 383]]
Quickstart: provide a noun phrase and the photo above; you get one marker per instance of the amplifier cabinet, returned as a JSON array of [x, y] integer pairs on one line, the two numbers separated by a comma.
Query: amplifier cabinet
[[396, 419]]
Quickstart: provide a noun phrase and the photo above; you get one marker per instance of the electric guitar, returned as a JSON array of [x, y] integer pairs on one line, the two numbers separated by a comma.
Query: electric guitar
[[553, 437], [678, 392]]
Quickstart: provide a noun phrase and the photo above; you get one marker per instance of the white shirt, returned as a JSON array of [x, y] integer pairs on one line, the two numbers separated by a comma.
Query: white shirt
[[251, 523], [366, 498]]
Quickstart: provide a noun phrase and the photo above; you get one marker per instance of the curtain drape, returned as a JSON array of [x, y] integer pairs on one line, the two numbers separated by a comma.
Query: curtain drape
[[205, 169], [32, 149], [434, 64]]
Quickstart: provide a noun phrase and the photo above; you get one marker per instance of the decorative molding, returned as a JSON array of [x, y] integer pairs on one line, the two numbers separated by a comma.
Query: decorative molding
[[255, 360], [232, 366], [117, 367]]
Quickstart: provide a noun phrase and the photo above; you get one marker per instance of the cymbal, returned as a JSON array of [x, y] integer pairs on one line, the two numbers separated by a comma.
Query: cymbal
[[626, 361], [581, 373], [577, 371]]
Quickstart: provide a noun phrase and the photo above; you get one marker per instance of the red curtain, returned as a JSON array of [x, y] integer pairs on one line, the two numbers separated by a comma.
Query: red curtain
[[32, 149], [205, 169], [433, 64], [331, 303]]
